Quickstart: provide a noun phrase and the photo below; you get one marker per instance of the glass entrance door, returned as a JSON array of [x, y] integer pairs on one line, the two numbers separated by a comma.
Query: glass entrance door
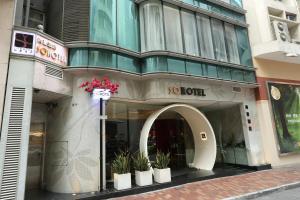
[[35, 162]]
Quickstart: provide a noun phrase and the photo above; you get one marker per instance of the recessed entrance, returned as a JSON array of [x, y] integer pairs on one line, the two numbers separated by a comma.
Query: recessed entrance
[[203, 135]]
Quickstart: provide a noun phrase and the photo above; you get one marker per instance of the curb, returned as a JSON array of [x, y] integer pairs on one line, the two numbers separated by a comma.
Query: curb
[[264, 192]]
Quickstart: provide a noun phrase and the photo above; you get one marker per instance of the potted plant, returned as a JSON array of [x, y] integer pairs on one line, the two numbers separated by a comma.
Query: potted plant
[[121, 170], [162, 172], [143, 175]]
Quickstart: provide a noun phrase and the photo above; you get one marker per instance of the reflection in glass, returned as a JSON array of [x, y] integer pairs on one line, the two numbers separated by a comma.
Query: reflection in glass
[[205, 39], [172, 29], [218, 39], [152, 35], [190, 33]]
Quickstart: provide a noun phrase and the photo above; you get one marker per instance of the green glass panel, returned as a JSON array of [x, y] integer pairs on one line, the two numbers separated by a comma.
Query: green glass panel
[[188, 1], [210, 70], [237, 3], [224, 73], [128, 33], [102, 58], [103, 21], [129, 64], [155, 64], [78, 57], [244, 46], [237, 75], [176, 66], [249, 77], [193, 68]]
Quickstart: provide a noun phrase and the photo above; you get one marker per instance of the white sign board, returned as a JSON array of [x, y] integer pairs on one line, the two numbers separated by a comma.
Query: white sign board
[[23, 43], [101, 94], [51, 51]]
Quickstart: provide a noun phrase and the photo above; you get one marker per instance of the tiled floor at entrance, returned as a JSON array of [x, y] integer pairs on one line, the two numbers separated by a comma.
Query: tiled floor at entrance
[[221, 188]]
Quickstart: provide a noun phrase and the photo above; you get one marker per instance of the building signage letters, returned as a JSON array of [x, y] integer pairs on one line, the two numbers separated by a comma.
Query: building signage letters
[[50, 51], [187, 91]]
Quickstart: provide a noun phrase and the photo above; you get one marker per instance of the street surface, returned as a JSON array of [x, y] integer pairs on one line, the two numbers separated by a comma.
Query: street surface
[[292, 194]]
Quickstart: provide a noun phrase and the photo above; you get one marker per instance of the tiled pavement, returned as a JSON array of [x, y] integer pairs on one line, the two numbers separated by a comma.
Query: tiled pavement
[[221, 188]]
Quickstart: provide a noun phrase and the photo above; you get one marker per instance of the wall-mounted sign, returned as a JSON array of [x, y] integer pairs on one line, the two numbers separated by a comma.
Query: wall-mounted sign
[[286, 111], [23, 43], [101, 94], [31, 44], [187, 91], [51, 51]]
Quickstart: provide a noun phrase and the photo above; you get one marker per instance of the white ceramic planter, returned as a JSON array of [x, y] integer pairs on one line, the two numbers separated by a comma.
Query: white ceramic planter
[[122, 181], [143, 178], [162, 175]]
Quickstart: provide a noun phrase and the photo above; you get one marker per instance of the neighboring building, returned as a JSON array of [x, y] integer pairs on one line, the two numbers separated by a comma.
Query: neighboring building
[[6, 27], [187, 86], [275, 39]]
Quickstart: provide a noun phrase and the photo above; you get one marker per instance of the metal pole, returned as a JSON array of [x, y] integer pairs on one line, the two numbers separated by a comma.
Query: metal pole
[[100, 145], [103, 147]]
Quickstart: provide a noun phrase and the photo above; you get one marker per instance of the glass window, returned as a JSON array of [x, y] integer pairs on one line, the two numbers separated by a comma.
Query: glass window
[[126, 63], [205, 37], [219, 40], [152, 35], [210, 70], [102, 58], [243, 46], [232, 46], [155, 64], [103, 21], [224, 73], [78, 57], [176, 66], [237, 3], [237, 75], [128, 35], [249, 76], [193, 68], [190, 33], [173, 29]]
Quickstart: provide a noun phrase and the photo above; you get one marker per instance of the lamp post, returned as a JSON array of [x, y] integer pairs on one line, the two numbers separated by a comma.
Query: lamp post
[[101, 90], [103, 95]]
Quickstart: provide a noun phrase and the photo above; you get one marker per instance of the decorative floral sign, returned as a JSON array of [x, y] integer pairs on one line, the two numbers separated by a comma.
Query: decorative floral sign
[[103, 83]]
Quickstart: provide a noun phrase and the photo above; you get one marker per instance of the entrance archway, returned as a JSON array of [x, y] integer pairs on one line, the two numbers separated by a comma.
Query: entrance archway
[[203, 134]]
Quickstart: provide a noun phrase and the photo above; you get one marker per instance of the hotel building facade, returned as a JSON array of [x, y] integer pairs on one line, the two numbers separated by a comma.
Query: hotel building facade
[[171, 58]]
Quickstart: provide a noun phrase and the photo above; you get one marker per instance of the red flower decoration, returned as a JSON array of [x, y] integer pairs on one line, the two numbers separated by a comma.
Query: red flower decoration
[[103, 83]]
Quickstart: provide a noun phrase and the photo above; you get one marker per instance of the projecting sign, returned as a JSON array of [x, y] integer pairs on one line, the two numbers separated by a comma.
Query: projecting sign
[[101, 94], [23, 43]]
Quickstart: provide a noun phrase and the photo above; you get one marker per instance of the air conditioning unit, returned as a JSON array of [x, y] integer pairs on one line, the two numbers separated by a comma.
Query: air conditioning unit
[[281, 31]]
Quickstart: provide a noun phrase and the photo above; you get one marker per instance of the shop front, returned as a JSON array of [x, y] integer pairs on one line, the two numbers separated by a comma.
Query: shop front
[[201, 124]]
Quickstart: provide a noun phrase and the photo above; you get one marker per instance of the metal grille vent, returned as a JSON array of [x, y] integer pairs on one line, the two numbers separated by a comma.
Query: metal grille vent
[[54, 72], [13, 145]]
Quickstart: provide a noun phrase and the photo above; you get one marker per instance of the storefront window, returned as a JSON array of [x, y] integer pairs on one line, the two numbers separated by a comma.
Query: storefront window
[[176, 66], [151, 18], [218, 40], [172, 29], [232, 46], [194, 68], [155, 64], [103, 21], [237, 75], [190, 33], [205, 37]]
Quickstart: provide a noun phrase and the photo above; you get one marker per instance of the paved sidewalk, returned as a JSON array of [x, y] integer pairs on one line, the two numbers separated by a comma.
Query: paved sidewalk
[[226, 187]]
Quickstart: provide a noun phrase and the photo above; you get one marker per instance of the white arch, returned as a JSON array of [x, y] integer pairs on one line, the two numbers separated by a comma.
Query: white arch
[[205, 150]]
